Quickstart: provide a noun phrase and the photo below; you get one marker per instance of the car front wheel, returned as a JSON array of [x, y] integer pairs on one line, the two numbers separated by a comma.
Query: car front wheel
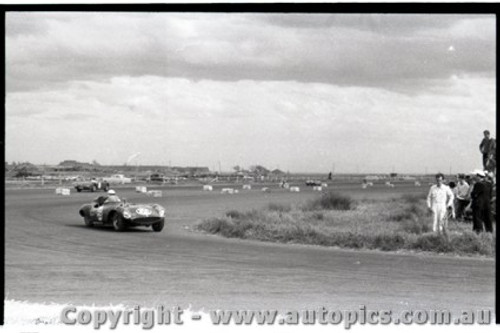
[[88, 221], [117, 221], [158, 226]]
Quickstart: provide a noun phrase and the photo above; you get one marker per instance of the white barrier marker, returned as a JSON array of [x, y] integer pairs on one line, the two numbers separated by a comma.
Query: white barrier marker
[[266, 189], [294, 189], [207, 188], [364, 185], [59, 190], [227, 190], [317, 188], [418, 184], [324, 185], [65, 191], [247, 187], [141, 189], [155, 193]]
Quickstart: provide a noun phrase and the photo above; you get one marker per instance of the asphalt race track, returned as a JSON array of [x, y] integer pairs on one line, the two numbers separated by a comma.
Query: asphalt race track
[[52, 257]]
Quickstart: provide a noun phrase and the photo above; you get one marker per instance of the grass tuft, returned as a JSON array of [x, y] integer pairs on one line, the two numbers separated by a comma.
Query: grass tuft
[[234, 214], [416, 226], [330, 201], [275, 207]]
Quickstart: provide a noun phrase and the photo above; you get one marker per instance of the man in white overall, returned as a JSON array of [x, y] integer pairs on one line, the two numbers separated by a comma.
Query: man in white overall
[[440, 197]]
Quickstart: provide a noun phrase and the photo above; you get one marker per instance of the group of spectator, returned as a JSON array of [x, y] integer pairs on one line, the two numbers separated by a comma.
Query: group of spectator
[[475, 193]]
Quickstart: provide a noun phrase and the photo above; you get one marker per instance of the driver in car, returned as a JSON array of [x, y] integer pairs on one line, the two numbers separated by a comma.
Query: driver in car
[[110, 198]]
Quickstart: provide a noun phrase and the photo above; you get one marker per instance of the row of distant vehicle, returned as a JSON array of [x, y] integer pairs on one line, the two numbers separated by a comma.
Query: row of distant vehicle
[[104, 183]]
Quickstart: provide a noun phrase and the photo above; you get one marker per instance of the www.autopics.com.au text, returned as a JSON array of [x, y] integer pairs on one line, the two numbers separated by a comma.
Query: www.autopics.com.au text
[[147, 318]]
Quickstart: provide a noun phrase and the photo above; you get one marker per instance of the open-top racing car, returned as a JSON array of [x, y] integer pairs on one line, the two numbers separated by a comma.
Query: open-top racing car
[[109, 210], [91, 185]]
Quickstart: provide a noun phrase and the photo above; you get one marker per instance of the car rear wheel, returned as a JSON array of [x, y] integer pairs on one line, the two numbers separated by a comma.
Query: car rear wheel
[[78, 189], [158, 226], [117, 221]]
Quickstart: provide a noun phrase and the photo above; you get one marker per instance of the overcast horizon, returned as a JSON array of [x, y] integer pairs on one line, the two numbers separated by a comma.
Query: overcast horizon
[[357, 93]]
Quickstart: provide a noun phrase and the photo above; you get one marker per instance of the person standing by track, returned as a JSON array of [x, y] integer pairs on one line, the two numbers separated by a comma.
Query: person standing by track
[[488, 149], [481, 203], [439, 199], [462, 196]]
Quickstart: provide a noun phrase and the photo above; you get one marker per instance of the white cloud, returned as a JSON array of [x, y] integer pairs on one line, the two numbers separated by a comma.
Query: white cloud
[[300, 126]]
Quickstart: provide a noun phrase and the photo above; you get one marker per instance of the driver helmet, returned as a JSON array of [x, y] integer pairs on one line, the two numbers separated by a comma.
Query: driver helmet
[[111, 192]]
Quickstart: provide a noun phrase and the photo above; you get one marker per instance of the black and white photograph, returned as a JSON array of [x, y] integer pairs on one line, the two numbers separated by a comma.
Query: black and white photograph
[[263, 167]]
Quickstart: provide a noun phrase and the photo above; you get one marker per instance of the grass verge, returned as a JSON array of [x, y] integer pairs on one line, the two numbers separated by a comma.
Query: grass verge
[[336, 220]]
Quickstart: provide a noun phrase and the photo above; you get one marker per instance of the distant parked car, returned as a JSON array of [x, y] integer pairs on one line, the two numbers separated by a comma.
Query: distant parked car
[[117, 179], [91, 185], [310, 182], [156, 178], [112, 211]]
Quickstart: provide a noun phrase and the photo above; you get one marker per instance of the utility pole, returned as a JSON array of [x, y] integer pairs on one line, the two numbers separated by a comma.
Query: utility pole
[[43, 173]]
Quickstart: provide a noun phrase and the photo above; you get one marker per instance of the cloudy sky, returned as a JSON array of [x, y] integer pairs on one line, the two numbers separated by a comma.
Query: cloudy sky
[[302, 92]]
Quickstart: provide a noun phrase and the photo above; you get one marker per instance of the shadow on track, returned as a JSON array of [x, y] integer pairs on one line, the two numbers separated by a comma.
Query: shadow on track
[[107, 229]]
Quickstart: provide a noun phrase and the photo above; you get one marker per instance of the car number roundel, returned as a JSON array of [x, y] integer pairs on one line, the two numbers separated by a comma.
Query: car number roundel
[[143, 211]]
